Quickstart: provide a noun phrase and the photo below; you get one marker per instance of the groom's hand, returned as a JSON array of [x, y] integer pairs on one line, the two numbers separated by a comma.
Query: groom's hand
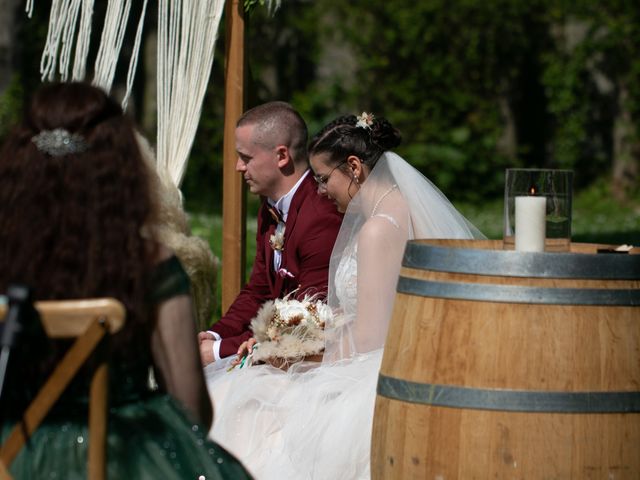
[[206, 340]]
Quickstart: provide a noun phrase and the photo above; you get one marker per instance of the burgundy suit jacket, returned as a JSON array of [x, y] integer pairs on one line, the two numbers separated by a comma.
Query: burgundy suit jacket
[[311, 229]]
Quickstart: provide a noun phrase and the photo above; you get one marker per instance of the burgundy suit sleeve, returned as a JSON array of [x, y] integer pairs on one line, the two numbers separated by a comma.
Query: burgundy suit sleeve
[[229, 346]]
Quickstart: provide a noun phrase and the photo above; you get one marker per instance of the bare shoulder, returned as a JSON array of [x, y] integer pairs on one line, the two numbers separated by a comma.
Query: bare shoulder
[[379, 234], [380, 225]]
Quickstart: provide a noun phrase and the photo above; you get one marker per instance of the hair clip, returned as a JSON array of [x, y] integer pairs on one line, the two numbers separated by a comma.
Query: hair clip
[[59, 142], [365, 120]]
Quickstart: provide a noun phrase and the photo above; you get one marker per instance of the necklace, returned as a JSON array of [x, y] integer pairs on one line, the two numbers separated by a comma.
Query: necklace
[[375, 207]]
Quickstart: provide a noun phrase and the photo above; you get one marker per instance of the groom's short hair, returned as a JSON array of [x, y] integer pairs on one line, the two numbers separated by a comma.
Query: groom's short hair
[[278, 123]]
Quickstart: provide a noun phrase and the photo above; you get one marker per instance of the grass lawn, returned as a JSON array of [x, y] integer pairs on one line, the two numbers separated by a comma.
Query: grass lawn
[[597, 218]]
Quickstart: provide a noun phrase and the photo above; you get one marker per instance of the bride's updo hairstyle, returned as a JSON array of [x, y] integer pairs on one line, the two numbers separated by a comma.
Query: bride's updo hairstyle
[[350, 135]]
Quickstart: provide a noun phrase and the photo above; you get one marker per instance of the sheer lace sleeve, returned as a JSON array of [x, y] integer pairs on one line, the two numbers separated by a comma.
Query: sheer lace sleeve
[[175, 353]]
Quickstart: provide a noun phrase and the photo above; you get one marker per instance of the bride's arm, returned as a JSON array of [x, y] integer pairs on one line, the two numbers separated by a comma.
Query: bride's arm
[[381, 245]]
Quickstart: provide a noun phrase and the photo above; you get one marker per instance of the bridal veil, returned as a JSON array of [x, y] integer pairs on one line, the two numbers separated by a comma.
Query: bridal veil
[[411, 207]]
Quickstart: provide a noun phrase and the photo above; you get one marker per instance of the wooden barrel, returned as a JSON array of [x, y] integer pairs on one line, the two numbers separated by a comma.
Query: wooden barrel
[[504, 364]]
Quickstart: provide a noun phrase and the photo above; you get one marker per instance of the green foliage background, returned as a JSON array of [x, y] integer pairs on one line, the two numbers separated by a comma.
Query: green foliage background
[[453, 77], [475, 86]]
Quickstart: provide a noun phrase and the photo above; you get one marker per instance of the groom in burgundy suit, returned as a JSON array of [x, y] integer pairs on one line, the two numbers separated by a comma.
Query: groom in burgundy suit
[[296, 227]]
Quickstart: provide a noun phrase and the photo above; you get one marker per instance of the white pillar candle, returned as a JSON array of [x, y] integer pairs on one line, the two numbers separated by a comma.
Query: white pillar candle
[[530, 231]]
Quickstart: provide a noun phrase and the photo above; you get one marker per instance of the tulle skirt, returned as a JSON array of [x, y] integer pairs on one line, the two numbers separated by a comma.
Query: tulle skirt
[[311, 422]]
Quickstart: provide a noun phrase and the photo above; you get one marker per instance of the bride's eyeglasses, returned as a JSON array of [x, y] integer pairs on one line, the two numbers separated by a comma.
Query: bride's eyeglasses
[[322, 180]]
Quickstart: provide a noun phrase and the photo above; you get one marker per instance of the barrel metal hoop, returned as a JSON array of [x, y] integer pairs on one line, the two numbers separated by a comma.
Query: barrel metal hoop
[[522, 264], [508, 400], [518, 294]]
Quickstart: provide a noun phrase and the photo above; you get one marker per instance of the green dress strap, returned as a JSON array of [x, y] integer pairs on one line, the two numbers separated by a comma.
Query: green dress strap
[[168, 280]]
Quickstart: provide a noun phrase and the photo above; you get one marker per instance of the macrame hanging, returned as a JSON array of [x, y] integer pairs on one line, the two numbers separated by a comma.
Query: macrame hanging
[[187, 32], [61, 37]]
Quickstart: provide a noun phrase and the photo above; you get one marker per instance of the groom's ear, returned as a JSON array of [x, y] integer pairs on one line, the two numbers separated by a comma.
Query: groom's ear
[[283, 156]]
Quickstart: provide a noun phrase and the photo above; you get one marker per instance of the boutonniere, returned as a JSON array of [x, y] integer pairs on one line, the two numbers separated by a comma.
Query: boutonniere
[[277, 239]]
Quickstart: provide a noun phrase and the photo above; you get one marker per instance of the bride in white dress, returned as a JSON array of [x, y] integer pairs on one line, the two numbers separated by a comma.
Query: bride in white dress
[[314, 421]]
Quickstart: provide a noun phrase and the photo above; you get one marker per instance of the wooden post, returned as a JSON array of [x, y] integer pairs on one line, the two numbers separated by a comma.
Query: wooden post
[[233, 197]]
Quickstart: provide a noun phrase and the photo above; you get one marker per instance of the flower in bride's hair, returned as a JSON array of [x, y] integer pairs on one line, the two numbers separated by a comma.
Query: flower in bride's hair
[[365, 120], [290, 329]]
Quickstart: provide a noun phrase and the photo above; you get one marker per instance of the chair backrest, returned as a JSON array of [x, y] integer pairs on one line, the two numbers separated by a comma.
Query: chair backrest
[[89, 320], [71, 318]]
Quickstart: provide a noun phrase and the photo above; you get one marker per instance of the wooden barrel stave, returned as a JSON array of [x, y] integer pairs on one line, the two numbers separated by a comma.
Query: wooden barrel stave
[[451, 443], [570, 351]]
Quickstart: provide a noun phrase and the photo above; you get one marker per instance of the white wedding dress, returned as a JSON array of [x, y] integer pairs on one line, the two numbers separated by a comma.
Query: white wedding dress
[[315, 420], [312, 422]]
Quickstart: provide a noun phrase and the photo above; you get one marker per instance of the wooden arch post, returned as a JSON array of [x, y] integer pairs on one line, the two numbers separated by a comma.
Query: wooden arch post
[[233, 198]]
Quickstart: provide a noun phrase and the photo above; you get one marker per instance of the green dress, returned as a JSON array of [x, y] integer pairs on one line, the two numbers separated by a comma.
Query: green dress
[[149, 436]]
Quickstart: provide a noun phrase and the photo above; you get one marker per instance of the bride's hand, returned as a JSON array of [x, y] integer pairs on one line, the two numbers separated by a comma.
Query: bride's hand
[[246, 348]]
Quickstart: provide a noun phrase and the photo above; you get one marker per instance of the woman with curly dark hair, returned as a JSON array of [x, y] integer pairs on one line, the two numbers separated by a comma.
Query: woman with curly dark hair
[[75, 196]]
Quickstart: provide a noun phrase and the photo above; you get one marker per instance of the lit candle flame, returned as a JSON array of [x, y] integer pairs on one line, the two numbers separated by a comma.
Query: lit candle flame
[[533, 190]]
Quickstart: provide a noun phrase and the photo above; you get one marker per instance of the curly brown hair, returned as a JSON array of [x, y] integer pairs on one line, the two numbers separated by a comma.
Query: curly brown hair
[[70, 225]]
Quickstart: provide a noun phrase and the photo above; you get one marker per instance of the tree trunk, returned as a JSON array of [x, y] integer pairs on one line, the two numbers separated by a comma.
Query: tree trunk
[[508, 142], [626, 149]]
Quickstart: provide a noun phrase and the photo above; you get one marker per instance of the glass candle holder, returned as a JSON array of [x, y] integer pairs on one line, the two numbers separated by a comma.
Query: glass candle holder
[[537, 209]]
